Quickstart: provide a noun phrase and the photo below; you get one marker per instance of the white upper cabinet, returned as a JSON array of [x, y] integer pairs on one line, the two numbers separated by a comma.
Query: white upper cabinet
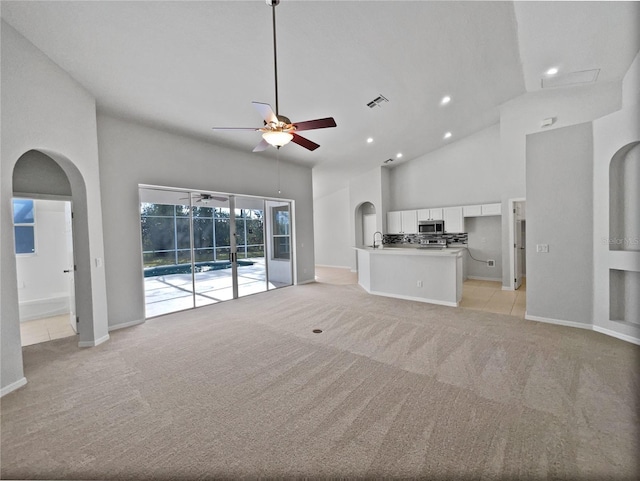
[[430, 214], [394, 222], [409, 222], [472, 210], [492, 209], [424, 214], [402, 222], [453, 219], [482, 209]]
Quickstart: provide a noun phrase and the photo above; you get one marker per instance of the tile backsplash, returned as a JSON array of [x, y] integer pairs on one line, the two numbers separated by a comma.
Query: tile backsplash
[[452, 239]]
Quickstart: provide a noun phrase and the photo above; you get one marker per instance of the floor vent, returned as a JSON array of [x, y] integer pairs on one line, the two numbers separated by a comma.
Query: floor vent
[[377, 101]]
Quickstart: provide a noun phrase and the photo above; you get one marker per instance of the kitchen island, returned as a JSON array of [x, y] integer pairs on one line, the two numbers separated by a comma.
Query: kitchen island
[[425, 275]]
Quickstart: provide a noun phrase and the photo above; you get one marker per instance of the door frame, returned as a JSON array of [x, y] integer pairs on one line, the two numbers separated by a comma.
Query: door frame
[[60, 198], [512, 225]]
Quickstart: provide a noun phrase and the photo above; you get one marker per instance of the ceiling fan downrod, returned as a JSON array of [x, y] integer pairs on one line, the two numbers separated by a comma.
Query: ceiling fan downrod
[[273, 4]]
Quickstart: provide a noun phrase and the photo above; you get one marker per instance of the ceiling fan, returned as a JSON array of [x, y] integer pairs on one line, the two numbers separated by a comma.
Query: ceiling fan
[[278, 130], [206, 198]]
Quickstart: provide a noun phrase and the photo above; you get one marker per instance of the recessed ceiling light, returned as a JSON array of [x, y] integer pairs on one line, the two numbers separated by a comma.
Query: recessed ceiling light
[[398, 155], [447, 135], [369, 140], [552, 71], [445, 100]]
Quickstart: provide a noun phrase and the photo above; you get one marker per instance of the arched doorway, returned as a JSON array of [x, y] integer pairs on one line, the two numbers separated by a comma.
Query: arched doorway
[[48, 175], [366, 224]]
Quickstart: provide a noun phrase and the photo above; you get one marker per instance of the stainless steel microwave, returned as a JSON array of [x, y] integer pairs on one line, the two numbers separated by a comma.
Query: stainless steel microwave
[[431, 227]]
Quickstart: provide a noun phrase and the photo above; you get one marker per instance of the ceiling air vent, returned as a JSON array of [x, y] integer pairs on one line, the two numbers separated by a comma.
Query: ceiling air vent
[[377, 101], [572, 78]]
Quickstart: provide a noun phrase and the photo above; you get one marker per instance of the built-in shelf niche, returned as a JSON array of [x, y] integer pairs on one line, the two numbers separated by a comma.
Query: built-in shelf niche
[[624, 199], [624, 299], [624, 235]]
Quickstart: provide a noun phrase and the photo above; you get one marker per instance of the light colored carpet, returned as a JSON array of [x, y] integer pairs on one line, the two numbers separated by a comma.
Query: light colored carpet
[[390, 388]]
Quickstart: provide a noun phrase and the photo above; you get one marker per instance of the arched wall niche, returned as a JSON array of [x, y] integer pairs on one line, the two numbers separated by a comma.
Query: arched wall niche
[[44, 173], [365, 223], [624, 235], [624, 198]]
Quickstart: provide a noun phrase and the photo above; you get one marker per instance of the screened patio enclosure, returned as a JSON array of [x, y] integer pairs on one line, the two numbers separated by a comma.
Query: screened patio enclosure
[[201, 248]]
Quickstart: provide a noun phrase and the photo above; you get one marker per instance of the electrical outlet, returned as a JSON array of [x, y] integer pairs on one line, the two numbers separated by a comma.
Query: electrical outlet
[[542, 248], [491, 263], [419, 283]]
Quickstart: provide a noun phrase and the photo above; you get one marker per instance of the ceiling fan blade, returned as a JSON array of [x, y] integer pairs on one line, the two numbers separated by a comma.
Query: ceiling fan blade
[[235, 128], [306, 143], [266, 112], [263, 145], [315, 124]]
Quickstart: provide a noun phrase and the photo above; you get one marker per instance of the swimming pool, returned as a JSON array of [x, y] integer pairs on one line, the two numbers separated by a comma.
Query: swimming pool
[[186, 268]]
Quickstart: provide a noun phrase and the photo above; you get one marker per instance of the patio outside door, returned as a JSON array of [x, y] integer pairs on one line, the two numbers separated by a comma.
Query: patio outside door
[[204, 248]]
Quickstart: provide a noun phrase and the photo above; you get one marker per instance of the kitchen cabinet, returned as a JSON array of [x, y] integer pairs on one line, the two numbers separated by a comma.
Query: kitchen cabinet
[[409, 222], [482, 210], [492, 209], [472, 210], [453, 219], [402, 222], [394, 222], [430, 214]]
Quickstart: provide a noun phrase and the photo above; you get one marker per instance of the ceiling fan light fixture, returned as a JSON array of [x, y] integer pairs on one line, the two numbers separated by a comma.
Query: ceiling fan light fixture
[[277, 138]]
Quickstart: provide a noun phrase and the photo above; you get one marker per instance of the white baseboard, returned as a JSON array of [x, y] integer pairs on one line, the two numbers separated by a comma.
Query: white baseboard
[[333, 267], [13, 386], [419, 299], [492, 279], [56, 305], [305, 282], [95, 343], [617, 335], [122, 325], [559, 322]]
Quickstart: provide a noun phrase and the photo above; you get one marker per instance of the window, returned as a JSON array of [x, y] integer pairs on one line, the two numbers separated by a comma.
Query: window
[[24, 226], [281, 236]]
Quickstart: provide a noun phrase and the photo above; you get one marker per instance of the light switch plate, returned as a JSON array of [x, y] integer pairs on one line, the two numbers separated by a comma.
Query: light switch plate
[[542, 248]]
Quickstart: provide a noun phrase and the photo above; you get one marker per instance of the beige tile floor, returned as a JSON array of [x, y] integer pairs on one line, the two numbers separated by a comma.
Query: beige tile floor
[[47, 329], [489, 296], [476, 294]]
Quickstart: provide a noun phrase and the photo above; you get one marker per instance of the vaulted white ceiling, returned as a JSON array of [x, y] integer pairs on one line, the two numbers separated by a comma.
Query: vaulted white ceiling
[[189, 66]]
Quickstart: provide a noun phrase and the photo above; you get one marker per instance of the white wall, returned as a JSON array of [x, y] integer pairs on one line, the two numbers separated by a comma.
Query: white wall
[[133, 154], [523, 115], [43, 287], [464, 172], [485, 242], [43, 108], [332, 229], [560, 215], [610, 134]]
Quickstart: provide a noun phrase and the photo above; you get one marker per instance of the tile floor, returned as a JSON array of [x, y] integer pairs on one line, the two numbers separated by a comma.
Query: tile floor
[[476, 294], [47, 329], [489, 296]]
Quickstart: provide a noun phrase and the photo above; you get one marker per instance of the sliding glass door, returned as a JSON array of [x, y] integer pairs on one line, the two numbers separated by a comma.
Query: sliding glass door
[[203, 248]]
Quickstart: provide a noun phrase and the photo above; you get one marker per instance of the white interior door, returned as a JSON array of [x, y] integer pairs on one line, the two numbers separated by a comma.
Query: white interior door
[[70, 270], [368, 229]]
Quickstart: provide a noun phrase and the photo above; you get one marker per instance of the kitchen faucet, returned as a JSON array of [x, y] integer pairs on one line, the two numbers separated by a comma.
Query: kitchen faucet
[[374, 238]]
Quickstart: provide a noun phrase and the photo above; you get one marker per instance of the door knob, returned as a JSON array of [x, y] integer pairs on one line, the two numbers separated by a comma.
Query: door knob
[[66, 271]]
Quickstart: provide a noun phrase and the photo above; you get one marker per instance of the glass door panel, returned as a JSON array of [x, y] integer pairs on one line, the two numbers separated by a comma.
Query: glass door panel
[[279, 265], [166, 252], [213, 279], [252, 275]]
